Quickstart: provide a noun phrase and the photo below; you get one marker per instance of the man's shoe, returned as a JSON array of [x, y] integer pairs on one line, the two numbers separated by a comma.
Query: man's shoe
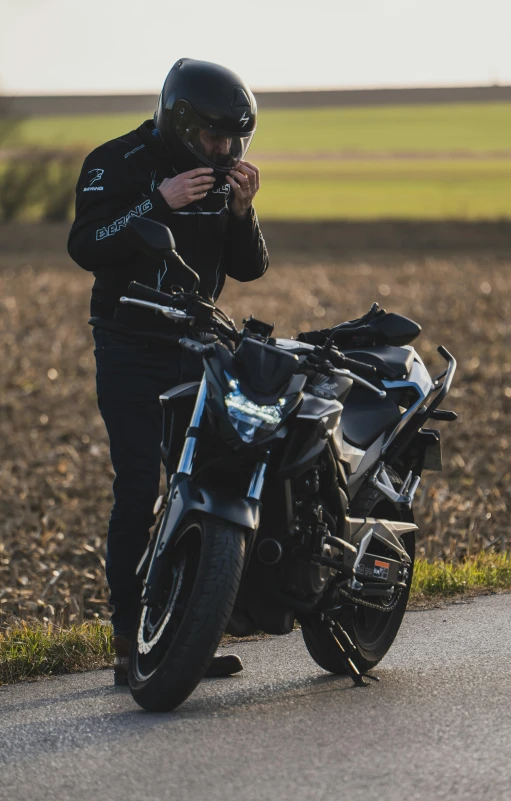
[[122, 648], [220, 666], [223, 666]]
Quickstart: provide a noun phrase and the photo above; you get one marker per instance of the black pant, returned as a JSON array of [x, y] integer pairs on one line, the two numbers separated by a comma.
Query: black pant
[[130, 377]]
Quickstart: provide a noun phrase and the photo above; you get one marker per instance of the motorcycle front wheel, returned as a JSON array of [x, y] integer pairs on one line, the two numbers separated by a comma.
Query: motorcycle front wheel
[[177, 637]]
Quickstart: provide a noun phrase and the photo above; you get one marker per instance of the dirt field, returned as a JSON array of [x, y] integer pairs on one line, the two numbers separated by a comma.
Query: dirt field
[[55, 476]]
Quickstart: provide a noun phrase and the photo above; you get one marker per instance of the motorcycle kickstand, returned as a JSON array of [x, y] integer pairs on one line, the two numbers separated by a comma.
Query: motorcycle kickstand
[[348, 650]]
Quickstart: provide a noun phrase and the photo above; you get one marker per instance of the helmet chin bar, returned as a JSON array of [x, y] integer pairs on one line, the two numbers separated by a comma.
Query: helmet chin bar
[[225, 148]]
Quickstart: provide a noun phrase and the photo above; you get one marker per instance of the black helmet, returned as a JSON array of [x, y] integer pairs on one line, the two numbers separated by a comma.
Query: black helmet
[[206, 114]]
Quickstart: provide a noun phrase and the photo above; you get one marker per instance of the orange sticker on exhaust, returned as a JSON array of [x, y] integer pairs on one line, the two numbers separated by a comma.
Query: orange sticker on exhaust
[[381, 564]]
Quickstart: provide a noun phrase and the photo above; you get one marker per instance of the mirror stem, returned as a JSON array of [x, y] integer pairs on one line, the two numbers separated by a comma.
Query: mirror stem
[[196, 280]]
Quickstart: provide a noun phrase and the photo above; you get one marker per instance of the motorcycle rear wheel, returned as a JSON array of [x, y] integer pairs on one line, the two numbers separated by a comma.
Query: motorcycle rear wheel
[[177, 639], [371, 631]]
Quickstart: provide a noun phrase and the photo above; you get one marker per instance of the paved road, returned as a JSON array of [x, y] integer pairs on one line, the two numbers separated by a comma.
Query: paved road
[[436, 727]]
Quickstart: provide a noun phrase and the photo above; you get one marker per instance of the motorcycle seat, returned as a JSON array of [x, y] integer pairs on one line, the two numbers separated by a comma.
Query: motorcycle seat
[[400, 360]]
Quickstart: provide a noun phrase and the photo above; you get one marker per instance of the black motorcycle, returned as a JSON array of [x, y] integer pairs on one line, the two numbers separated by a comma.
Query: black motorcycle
[[292, 499]]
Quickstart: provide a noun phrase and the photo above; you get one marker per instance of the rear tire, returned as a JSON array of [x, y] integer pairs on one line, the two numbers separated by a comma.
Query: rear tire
[[371, 632], [176, 641]]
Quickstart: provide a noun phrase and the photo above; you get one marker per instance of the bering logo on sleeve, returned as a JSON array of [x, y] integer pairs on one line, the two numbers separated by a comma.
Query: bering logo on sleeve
[[95, 175], [122, 222], [127, 155]]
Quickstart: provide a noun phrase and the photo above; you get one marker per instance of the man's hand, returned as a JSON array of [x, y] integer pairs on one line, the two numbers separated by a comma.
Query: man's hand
[[187, 187], [244, 181]]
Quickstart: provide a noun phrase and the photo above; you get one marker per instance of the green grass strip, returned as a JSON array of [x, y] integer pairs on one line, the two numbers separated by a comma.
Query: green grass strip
[[476, 127], [485, 571], [31, 650], [28, 651]]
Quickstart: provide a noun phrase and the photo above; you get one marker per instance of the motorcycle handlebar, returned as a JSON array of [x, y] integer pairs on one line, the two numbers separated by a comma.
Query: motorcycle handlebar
[[143, 292], [176, 315], [359, 368]]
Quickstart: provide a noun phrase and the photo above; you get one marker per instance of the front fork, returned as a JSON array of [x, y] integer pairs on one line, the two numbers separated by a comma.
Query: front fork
[[188, 453], [147, 563], [185, 466]]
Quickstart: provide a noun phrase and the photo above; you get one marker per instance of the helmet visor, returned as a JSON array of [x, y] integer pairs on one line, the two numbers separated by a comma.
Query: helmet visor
[[218, 149]]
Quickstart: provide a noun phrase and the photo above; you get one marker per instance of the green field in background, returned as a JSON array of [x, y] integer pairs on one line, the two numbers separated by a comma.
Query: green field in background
[[459, 127], [297, 184], [417, 189]]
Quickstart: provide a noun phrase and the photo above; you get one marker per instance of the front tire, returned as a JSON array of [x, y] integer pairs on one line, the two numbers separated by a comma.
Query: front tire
[[177, 639], [372, 632]]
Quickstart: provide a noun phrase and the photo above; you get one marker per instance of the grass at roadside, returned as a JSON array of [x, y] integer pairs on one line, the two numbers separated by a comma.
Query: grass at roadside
[[29, 651], [485, 571]]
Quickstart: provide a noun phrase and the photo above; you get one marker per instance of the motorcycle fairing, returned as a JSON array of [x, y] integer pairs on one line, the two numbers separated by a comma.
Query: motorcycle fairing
[[420, 383], [366, 416], [265, 368], [369, 459], [316, 418]]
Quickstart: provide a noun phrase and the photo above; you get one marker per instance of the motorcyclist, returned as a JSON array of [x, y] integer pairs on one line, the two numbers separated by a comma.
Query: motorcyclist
[[185, 169]]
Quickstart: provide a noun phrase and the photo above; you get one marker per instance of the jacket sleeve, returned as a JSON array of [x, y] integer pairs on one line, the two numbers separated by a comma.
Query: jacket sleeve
[[245, 256], [99, 238]]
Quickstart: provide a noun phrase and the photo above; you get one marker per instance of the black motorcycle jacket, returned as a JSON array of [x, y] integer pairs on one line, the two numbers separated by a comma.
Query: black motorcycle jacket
[[120, 179]]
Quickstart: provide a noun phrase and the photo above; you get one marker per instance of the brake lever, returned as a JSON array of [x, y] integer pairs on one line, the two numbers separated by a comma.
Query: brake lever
[[358, 380], [315, 360], [167, 311]]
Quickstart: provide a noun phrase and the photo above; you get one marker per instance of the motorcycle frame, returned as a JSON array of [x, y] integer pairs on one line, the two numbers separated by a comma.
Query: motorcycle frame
[[185, 496]]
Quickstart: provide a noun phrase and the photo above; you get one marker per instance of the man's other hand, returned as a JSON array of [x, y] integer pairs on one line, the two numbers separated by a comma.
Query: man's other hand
[[187, 187], [244, 181]]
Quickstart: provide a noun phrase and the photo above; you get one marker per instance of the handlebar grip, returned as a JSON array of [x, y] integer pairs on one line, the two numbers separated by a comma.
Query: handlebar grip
[[143, 292], [359, 368], [192, 345]]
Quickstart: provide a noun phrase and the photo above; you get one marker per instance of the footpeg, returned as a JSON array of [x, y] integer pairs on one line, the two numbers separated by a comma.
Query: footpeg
[[406, 494]]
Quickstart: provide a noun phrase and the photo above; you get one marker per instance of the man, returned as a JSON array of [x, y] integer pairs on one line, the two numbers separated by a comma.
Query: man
[[186, 170]]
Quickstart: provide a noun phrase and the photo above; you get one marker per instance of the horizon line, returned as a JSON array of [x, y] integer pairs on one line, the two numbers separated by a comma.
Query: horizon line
[[272, 90]]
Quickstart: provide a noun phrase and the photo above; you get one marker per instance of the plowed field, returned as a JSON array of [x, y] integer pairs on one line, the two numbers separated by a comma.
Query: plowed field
[[55, 477]]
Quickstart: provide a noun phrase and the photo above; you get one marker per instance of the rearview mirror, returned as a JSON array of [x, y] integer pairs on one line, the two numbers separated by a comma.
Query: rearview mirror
[[158, 239], [395, 329], [155, 235]]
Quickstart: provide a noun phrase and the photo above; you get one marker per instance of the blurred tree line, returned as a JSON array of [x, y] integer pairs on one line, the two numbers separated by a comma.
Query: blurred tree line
[[35, 183]]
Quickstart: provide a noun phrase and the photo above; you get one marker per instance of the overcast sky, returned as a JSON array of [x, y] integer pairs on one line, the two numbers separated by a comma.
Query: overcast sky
[[105, 46]]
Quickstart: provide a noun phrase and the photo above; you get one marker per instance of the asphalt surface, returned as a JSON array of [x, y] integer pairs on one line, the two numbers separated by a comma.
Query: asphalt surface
[[437, 726]]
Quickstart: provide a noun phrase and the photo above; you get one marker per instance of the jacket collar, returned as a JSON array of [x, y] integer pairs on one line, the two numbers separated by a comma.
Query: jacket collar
[[152, 140]]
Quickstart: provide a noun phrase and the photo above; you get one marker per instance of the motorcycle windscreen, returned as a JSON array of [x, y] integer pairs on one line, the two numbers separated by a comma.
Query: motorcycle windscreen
[[266, 370]]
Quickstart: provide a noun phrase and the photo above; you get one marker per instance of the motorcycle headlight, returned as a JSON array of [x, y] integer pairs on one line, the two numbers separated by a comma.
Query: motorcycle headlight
[[249, 418]]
